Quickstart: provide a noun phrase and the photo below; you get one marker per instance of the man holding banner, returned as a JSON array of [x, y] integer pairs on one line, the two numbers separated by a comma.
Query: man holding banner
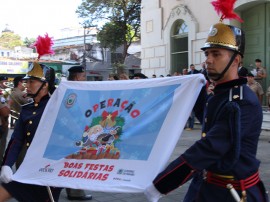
[[40, 84], [224, 159]]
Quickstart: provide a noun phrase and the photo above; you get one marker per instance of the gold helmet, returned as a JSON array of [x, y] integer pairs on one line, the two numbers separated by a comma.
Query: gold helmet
[[40, 72], [226, 36]]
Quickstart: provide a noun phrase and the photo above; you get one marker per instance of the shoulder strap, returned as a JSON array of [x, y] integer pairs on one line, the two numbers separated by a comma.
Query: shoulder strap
[[236, 93]]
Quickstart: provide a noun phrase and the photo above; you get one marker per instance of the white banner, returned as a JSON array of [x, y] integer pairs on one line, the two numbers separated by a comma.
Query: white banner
[[110, 136]]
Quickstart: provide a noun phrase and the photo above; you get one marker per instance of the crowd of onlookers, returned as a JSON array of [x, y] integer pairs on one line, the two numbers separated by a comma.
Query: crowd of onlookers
[[255, 80], [124, 76]]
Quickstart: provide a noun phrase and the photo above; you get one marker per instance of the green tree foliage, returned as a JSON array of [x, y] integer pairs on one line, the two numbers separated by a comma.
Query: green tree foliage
[[28, 42], [111, 36], [123, 17], [10, 40]]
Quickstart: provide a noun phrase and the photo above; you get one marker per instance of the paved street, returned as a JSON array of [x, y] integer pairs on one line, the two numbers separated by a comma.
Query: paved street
[[187, 138]]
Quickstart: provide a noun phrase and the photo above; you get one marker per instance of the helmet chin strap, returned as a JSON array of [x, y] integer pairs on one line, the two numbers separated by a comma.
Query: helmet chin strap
[[226, 68], [35, 95]]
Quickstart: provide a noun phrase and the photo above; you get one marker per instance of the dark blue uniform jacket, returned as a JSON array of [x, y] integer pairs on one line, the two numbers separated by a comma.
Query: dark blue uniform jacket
[[25, 129], [21, 138], [231, 124]]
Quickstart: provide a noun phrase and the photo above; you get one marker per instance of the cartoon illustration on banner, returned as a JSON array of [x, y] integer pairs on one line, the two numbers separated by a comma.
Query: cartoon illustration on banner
[[99, 138], [108, 127]]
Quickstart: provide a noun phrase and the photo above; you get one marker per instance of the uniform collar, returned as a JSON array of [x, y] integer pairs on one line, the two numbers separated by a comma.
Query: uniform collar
[[229, 84], [44, 98]]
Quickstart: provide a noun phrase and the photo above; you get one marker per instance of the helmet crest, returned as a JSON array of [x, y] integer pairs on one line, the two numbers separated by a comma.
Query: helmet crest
[[37, 70], [225, 8]]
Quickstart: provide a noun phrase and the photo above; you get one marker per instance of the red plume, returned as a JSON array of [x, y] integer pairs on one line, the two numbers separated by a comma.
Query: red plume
[[225, 7], [43, 45]]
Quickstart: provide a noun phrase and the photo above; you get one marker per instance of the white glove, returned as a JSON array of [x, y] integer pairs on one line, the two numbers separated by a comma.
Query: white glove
[[152, 194], [3, 100], [6, 174]]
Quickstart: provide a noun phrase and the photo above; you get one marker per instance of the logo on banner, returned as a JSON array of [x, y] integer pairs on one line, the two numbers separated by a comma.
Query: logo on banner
[[46, 169], [71, 100], [126, 172]]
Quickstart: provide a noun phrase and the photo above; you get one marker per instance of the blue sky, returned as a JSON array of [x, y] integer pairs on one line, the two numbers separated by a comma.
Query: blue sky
[[30, 18]]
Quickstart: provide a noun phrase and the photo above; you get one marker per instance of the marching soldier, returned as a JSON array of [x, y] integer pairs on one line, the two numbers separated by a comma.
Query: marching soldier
[[40, 80], [40, 85], [224, 159]]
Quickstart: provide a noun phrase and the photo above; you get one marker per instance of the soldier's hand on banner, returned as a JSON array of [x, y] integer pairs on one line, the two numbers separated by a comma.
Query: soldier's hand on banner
[[6, 174], [152, 194]]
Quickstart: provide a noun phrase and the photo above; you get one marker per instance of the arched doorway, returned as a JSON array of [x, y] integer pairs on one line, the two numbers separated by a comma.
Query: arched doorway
[[179, 46]]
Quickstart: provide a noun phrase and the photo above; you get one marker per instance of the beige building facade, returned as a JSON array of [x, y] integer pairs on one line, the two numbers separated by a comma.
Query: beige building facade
[[173, 32]]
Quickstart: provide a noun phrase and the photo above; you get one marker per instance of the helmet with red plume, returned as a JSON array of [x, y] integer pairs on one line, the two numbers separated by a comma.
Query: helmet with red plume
[[226, 36], [40, 71]]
